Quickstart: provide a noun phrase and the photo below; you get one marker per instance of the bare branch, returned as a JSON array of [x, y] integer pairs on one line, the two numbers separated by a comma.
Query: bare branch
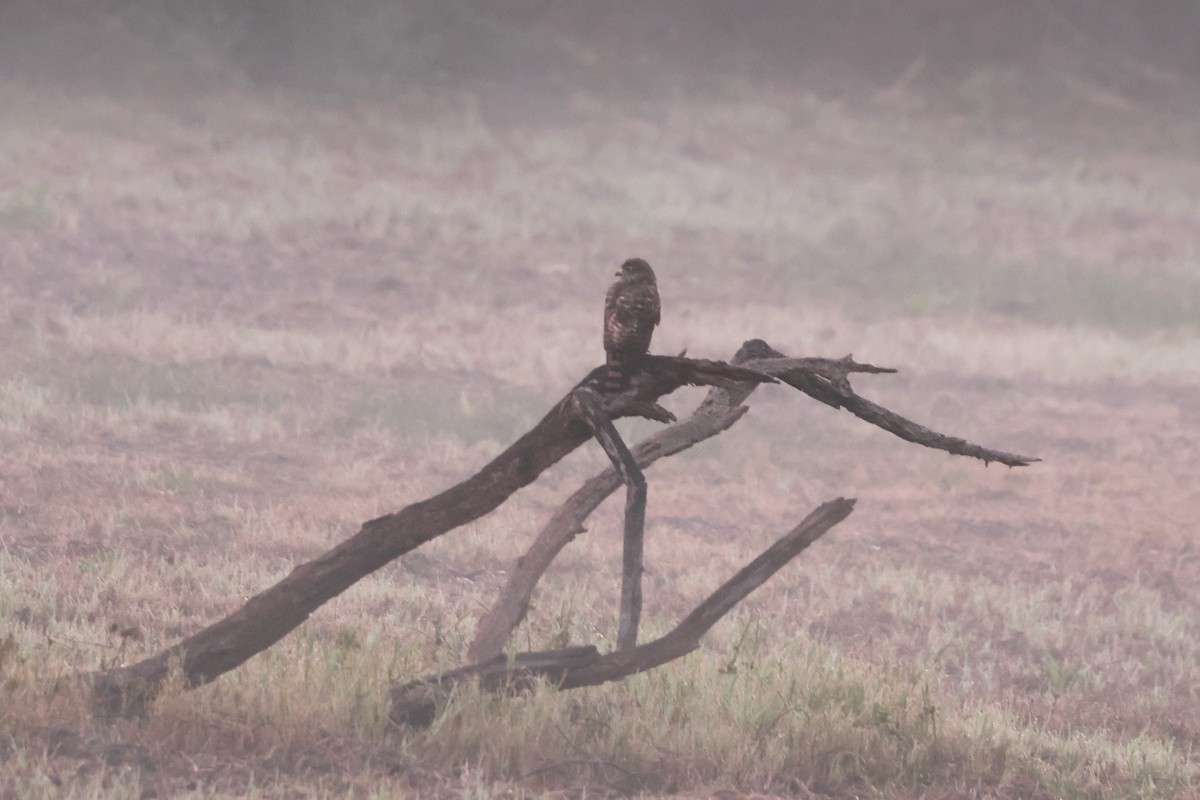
[[719, 410], [827, 380], [416, 703], [823, 379], [587, 404], [919, 434], [269, 616]]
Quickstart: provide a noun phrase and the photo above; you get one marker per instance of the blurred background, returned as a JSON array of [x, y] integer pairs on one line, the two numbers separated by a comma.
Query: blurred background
[[986, 196], [1042, 52], [272, 268]]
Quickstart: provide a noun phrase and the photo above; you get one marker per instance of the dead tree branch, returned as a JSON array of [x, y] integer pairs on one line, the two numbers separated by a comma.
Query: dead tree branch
[[826, 380], [587, 406], [272, 614], [269, 616], [416, 703], [719, 410]]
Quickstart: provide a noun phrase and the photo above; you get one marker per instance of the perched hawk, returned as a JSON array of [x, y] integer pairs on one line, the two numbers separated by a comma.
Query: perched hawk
[[631, 310]]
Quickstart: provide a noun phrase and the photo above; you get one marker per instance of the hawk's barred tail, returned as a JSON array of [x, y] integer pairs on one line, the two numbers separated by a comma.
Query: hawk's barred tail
[[614, 374]]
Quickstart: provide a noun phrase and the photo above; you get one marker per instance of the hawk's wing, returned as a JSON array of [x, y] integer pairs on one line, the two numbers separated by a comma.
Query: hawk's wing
[[630, 313]]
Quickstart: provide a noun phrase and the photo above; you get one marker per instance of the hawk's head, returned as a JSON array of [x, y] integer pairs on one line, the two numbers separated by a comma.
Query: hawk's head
[[636, 269]]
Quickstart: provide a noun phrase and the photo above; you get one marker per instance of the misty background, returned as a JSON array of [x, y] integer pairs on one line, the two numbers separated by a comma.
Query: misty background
[[972, 56], [272, 268]]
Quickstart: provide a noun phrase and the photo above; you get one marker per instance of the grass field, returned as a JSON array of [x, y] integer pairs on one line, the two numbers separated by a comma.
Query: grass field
[[233, 327]]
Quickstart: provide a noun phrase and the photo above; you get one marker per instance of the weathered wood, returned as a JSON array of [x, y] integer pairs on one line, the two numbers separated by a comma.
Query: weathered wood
[[827, 380], [719, 410], [587, 405], [416, 703], [269, 616], [823, 379]]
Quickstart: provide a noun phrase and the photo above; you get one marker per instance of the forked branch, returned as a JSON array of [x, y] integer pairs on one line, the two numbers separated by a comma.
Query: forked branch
[[719, 410], [269, 616], [272, 614], [588, 406], [824, 379]]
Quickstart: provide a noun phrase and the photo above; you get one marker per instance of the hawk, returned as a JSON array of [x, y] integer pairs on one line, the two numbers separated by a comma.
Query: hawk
[[631, 310]]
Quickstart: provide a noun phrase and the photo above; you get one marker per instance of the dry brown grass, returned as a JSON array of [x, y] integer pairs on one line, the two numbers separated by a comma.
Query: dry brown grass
[[235, 328]]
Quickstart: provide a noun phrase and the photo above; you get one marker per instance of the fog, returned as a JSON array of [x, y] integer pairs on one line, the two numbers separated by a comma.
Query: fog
[[270, 269], [847, 48]]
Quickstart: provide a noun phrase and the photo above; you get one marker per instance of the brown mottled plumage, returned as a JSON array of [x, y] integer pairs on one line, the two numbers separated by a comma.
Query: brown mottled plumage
[[631, 310]]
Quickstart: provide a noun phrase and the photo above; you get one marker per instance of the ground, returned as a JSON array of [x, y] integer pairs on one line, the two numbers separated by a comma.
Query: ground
[[238, 324]]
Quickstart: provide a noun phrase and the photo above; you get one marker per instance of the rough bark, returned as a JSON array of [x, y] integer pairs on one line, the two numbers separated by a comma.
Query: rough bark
[[719, 410], [826, 380], [269, 616], [587, 407], [272, 614]]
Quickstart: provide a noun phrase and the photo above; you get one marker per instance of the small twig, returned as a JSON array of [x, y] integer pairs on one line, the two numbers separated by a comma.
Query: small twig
[[83, 642], [578, 762]]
